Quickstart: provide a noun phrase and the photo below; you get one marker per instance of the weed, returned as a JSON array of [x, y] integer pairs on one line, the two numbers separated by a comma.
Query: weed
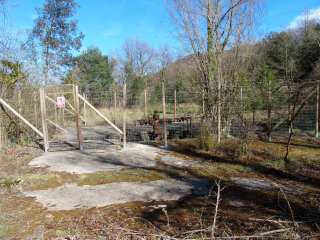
[[9, 182]]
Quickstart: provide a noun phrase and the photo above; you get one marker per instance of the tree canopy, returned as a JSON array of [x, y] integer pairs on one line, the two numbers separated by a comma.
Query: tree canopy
[[92, 71], [57, 33]]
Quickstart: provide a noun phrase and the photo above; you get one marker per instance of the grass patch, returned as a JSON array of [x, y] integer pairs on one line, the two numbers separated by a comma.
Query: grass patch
[[125, 175], [3, 230], [45, 181]]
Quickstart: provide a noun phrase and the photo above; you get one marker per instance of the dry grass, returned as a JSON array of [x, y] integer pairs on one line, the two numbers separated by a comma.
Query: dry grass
[[23, 218], [137, 112]]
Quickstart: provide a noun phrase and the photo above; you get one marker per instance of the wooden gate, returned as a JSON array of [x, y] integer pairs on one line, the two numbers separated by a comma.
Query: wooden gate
[[58, 115], [64, 113]]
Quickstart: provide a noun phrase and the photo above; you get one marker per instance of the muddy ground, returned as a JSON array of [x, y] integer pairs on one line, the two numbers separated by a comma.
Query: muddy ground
[[260, 193]]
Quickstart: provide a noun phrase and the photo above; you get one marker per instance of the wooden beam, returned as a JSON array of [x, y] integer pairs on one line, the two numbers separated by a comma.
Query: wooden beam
[[72, 108], [124, 120], [57, 126], [84, 110], [100, 114], [6, 105], [43, 119], [78, 117], [175, 104], [114, 105], [55, 103], [145, 103], [165, 137]]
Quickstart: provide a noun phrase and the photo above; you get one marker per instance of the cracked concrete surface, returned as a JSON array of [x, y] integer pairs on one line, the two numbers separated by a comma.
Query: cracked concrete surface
[[90, 161], [71, 196]]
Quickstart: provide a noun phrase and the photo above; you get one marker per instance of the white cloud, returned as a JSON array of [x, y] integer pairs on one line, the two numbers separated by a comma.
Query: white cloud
[[313, 14]]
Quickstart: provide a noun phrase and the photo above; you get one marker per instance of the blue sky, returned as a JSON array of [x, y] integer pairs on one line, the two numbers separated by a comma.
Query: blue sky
[[108, 23]]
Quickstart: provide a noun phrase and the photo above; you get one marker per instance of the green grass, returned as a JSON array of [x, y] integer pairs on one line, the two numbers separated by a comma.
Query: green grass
[[125, 175]]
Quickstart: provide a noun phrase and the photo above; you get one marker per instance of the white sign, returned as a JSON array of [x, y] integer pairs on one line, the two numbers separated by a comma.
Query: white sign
[[61, 102]]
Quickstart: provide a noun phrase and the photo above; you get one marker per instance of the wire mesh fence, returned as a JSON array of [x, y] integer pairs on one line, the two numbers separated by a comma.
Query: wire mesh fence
[[154, 114]]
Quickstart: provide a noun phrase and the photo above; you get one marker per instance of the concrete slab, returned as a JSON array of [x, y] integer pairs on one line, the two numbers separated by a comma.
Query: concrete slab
[[262, 185], [90, 161], [71, 196], [110, 158], [175, 161]]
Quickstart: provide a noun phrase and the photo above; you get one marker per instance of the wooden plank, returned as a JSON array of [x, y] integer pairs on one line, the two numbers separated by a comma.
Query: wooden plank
[[84, 111], [70, 106], [114, 105], [145, 103], [124, 123], [6, 105], [35, 109], [165, 137], [175, 104], [65, 109], [78, 118], [55, 110], [57, 126], [43, 119], [100, 114], [55, 103]]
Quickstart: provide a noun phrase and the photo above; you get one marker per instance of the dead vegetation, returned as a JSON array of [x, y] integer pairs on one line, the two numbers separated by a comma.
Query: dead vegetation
[[283, 206]]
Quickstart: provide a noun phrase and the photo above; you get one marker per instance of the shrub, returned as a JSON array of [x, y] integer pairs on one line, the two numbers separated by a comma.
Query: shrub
[[206, 140]]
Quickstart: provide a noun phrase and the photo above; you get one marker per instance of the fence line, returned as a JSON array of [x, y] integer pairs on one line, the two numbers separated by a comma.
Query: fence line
[[165, 113]]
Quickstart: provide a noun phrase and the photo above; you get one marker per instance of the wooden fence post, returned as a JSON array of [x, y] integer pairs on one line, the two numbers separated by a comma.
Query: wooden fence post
[[124, 123], [145, 104], [318, 109], [19, 102], [35, 109], [85, 110], [62, 116], [1, 135], [114, 105], [165, 138], [78, 119], [203, 104], [175, 104], [241, 104], [44, 119]]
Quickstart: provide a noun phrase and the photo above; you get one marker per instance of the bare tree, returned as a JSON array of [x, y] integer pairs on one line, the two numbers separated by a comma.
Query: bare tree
[[138, 61], [141, 57], [210, 28]]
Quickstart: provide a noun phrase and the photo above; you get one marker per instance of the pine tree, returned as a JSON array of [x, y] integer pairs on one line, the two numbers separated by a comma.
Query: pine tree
[[57, 34]]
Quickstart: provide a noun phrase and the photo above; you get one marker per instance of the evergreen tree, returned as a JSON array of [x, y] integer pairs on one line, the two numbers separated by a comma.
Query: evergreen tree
[[92, 71], [57, 34]]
